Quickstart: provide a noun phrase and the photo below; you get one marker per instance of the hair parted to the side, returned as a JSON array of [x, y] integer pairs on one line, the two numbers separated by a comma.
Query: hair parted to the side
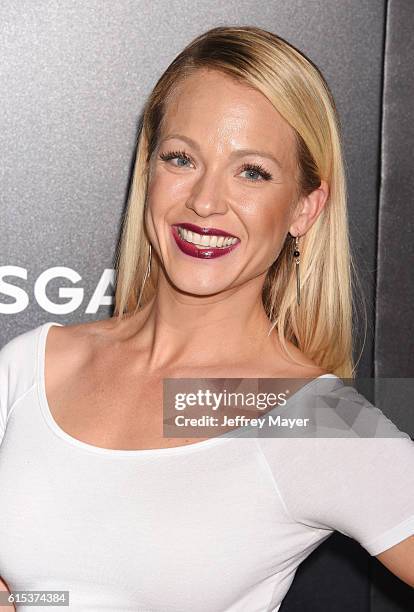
[[322, 326]]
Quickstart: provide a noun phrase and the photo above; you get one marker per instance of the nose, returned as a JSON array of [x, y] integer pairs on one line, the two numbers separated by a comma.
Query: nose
[[207, 195]]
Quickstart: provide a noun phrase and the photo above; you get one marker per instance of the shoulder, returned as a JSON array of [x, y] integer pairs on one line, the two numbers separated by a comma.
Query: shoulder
[[82, 335], [355, 474], [18, 365], [18, 345], [72, 347], [67, 347], [88, 337]]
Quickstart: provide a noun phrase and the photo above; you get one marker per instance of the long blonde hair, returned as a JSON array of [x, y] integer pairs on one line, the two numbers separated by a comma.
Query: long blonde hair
[[321, 326]]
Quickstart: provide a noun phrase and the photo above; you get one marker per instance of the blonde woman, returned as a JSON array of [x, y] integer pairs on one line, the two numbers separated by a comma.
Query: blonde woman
[[234, 262]]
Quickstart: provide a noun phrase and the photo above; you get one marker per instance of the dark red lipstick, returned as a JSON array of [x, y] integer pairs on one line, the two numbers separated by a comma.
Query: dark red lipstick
[[202, 252]]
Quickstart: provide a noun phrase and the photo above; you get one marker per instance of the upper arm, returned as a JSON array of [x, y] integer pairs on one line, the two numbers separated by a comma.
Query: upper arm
[[3, 389], [399, 559]]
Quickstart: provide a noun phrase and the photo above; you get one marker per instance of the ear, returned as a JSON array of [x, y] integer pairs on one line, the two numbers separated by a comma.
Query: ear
[[308, 210]]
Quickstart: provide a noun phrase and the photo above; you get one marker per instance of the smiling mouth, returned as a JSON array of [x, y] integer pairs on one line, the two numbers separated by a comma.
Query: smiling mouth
[[205, 241], [207, 246]]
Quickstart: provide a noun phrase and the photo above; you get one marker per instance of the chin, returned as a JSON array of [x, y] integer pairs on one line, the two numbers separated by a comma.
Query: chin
[[199, 287]]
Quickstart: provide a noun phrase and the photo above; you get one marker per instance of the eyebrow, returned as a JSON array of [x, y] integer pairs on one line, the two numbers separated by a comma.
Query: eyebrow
[[234, 154]]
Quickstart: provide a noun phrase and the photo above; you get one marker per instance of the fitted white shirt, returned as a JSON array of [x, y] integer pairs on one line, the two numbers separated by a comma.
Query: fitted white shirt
[[216, 526]]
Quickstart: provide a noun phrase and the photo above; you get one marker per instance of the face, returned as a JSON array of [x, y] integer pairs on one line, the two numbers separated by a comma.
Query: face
[[226, 161]]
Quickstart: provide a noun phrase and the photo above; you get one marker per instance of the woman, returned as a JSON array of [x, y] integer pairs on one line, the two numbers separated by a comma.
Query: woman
[[238, 178]]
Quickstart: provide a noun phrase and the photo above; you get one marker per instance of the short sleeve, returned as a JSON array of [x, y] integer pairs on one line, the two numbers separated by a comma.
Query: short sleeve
[[17, 371], [361, 487], [4, 352]]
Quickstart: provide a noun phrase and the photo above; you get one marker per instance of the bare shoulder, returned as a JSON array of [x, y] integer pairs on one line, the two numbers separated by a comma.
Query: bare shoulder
[[79, 334], [71, 347]]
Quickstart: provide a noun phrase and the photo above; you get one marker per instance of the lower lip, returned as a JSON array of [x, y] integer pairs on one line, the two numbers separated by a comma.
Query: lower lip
[[204, 253]]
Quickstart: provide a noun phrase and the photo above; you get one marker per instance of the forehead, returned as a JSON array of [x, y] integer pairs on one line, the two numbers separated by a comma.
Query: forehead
[[216, 110]]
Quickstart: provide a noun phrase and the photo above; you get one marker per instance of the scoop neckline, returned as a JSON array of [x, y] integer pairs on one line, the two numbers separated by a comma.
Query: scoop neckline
[[118, 452]]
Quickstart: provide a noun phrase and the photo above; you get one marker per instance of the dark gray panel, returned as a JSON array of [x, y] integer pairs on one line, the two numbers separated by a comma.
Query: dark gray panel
[[394, 342], [394, 338]]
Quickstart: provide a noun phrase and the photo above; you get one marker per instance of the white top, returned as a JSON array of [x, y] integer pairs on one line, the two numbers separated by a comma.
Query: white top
[[216, 526]]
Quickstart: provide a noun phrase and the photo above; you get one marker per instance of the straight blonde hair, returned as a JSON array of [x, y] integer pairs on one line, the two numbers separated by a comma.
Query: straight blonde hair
[[321, 326]]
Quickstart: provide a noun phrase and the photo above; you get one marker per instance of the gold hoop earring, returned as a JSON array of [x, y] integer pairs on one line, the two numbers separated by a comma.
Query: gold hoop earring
[[147, 273], [296, 256]]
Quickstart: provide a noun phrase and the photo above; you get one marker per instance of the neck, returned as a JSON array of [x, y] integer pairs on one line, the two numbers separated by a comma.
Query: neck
[[180, 329]]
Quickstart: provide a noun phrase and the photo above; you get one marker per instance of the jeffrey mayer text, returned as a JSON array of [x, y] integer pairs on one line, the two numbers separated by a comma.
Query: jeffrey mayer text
[[272, 421]]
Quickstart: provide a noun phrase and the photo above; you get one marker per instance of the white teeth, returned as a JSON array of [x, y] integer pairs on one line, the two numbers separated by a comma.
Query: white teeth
[[206, 240]]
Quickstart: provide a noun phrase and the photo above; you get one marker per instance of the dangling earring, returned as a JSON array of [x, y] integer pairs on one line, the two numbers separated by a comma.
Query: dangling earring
[[147, 273], [296, 255]]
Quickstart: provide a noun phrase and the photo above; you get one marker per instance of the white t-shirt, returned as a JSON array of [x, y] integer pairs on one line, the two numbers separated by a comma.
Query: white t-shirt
[[216, 526]]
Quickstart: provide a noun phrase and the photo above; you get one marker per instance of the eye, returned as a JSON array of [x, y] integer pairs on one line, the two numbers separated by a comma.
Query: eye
[[176, 155], [251, 168], [256, 169]]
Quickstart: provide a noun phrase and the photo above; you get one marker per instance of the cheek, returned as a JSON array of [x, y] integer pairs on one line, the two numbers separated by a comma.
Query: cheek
[[159, 197], [161, 204], [168, 186], [267, 217]]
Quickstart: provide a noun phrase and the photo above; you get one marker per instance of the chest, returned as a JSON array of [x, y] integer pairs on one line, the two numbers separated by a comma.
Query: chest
[[203, 527], [115, 405], [114, 408]]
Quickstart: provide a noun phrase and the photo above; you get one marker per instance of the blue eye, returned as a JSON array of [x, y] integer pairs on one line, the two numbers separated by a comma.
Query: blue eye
[[251, 168], [257, 169], [175, 155]]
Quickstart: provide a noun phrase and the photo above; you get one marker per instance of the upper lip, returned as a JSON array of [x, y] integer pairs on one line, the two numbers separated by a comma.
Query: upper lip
[[209, 231]]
